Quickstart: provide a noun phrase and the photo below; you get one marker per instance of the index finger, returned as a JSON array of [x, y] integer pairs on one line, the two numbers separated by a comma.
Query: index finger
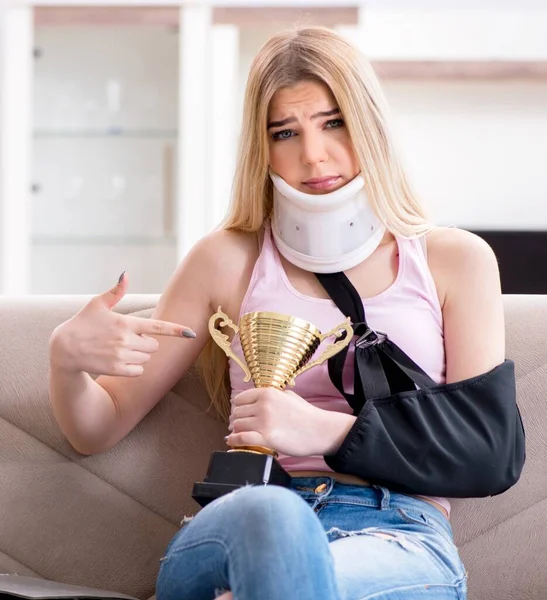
[[157, 327]]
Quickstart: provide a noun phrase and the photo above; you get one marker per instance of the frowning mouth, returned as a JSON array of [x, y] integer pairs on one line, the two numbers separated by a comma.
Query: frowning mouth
[[322, 183]]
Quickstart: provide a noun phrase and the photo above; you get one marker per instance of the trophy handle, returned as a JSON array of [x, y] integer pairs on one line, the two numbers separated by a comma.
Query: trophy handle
[[223, 341], [331, 349]]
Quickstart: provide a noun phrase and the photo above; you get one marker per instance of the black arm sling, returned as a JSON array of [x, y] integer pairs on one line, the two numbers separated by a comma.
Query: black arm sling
[[463, 439]]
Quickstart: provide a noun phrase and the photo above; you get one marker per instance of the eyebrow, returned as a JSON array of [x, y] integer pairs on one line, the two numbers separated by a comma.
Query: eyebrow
[[325, 113]]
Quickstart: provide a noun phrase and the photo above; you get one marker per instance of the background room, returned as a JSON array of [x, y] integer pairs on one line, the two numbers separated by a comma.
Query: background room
[[119, 127]]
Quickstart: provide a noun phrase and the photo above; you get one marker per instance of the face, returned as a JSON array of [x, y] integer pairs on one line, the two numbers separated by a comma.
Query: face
[[309, 144]]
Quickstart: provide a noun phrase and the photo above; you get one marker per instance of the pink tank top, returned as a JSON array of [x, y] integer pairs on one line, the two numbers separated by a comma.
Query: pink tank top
[[408, 311]]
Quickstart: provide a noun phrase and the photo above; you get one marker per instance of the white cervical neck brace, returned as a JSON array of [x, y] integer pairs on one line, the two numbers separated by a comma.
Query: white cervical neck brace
[[324, 233]]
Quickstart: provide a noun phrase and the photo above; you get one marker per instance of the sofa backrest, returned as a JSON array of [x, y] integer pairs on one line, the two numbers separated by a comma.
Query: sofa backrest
[[105, 520]]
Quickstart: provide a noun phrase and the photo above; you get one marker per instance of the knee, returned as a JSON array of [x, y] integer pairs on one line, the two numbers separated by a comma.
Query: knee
[[264, 508]]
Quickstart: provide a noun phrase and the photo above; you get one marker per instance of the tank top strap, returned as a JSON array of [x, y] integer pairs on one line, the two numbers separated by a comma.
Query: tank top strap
[[265, 275], [270, 263], [417, 271]]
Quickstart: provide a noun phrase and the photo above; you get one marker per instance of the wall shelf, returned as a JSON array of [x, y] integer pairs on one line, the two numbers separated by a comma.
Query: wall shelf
[[168, 16], [471, 70], [105, 133], [101, 240]]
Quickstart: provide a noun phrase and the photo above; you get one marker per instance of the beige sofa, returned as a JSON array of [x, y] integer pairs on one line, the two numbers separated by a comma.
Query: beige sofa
[[105, 520]]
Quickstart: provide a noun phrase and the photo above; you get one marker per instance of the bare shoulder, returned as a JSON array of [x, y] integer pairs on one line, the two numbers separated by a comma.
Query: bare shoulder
[[456, 256], [449, 246], [221, 264], [223, 254], [221, 248], [465, 270]]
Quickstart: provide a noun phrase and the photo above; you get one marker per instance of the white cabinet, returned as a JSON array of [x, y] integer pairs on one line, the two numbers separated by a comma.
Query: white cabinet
[[104, 157]]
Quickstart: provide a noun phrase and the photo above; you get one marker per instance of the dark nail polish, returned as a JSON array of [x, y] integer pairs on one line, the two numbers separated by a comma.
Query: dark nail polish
[[121, 277], [188, 333]]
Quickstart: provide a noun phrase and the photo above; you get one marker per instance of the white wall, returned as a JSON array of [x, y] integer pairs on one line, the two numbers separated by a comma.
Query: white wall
[[477, 152], [441, 32]]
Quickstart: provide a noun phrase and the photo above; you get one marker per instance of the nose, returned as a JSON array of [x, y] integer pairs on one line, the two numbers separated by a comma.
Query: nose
[[314, 149]]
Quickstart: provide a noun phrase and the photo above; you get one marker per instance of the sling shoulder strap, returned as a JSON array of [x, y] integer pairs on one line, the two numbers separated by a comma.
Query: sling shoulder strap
[[344, 295], [341, 291], [381, 367]]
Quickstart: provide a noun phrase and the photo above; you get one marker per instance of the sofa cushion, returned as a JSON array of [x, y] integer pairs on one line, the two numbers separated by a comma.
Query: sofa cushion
[[100, 520]]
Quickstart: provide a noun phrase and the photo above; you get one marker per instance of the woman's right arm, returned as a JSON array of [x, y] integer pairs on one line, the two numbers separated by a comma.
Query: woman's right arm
[[139, 360]]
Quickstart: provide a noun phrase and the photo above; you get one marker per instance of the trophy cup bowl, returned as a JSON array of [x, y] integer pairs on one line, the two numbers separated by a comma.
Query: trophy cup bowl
[[276, 349]]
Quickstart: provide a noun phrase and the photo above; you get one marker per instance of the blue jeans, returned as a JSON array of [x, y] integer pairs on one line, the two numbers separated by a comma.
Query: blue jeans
[[322, 540]]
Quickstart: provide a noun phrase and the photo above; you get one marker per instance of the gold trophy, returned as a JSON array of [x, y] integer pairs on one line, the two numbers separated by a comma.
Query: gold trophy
[[277, 348]]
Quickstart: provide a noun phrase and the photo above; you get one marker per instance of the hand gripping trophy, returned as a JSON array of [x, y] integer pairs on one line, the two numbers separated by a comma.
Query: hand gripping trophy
[[277, 348]]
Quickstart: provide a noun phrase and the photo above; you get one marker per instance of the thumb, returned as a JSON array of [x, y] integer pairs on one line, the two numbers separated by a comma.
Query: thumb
[[110, 298]]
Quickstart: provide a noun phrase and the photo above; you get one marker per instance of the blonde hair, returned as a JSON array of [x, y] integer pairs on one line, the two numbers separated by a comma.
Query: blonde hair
[[313, 54]]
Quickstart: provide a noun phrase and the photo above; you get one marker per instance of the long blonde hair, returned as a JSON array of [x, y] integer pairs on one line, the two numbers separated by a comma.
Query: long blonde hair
[[317, 54]]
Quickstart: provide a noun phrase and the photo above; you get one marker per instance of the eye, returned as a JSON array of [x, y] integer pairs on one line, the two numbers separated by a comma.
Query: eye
[[334, 123], [285, 134]]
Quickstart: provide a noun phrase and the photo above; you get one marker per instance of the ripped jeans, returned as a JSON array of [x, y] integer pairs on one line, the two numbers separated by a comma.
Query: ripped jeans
[[327, 541]]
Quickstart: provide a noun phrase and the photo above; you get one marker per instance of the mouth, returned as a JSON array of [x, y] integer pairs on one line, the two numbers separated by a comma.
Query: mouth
[[322, 183]]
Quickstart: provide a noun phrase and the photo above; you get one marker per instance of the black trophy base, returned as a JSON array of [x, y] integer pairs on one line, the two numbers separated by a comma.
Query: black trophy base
[[229, 471]]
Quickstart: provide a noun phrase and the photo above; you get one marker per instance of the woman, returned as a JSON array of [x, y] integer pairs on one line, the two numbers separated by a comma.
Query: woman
[[314, 127]]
